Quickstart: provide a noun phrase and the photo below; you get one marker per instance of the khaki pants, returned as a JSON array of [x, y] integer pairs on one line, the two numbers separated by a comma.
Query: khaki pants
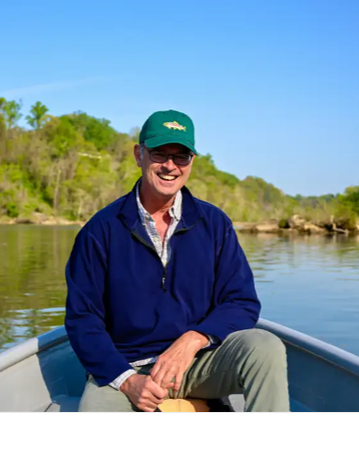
[[251, 361]]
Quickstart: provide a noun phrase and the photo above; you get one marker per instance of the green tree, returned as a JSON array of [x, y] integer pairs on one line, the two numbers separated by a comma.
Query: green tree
[[11, 112], [79, 163], [37, 116], [350, 198], [97, 131], [62, 136]]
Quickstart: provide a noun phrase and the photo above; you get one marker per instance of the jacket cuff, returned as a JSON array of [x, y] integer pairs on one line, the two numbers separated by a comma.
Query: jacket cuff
[[118, 382]]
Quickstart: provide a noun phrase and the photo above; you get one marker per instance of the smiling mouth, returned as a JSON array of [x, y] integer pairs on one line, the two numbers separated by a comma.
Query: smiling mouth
[[167, 177]]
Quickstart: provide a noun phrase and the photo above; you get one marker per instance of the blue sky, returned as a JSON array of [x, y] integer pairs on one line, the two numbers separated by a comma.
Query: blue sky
[[272, 86]]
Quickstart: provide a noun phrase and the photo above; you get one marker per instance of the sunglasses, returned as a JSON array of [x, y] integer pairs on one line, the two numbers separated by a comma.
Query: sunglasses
[[179, 159]]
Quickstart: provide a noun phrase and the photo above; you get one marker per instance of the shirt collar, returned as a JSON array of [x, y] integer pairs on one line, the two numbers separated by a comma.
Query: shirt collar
[[175, 211]]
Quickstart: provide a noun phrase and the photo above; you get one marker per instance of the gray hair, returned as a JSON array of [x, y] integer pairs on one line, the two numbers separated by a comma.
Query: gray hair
[[141, 152]]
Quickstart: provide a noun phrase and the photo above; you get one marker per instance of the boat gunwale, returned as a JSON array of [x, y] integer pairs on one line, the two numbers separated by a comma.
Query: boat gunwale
[[33, 346], [330, 353]]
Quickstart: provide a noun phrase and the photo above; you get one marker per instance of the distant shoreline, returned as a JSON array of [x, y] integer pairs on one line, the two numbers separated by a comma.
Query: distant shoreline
[[294, 225], [50, 221], [298, 226]]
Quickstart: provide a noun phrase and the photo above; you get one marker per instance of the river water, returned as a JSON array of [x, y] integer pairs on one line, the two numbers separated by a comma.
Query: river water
[[309, 283]]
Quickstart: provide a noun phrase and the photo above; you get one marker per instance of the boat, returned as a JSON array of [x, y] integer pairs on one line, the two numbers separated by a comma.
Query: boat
[[43, 374]]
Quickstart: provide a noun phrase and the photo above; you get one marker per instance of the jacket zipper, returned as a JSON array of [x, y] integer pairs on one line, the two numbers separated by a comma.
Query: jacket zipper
[[163, 281], [165, 268]]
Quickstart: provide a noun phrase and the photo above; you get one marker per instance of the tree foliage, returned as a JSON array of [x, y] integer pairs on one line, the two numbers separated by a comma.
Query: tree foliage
[[37, 116], [10, 111], [75, 164], [350, 198]]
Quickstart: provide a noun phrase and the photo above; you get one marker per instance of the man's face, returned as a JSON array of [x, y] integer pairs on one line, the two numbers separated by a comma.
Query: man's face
[[163, 179]]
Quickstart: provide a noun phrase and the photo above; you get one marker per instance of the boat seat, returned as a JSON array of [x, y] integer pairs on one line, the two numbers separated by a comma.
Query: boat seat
[[197, 405], [184, 405]]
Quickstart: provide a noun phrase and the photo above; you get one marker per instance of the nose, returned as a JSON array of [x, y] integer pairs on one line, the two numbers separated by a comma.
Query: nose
[[169, 164]]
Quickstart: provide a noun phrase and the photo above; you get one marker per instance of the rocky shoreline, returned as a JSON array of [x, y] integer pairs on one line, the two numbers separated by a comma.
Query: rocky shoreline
[[40, 219], [296, 224]]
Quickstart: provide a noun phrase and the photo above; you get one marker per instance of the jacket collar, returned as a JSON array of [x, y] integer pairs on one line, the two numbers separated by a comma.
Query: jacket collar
[[128, 211]]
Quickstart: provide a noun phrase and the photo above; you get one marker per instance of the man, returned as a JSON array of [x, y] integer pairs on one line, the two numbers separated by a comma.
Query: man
[[161, 299]]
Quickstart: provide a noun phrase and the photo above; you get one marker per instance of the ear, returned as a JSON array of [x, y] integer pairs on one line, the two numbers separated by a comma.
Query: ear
[[192, 160], [137, 154]]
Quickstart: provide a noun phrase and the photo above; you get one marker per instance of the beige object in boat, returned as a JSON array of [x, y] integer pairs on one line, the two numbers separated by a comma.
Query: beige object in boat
[[184, 405]]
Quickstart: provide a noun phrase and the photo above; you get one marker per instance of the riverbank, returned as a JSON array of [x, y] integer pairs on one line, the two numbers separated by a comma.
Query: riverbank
[[294, 224], [40, 219], [297, 225]]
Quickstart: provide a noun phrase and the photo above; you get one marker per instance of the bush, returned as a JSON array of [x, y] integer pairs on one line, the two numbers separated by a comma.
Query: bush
[[12, 210], [283, 223]]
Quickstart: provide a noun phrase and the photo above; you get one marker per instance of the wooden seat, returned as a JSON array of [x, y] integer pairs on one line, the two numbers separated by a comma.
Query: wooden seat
[[196, 405], [184, 405]]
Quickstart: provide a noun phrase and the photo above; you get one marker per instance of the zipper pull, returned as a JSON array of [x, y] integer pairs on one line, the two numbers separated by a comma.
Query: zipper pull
[[164, 281]]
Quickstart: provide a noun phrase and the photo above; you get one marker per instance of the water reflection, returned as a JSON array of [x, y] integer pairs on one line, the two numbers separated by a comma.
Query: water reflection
[[309, 283], [32, 285]]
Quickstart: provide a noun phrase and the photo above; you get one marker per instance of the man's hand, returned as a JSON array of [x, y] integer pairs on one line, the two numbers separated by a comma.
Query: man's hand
[[176, 359], [143, 392]]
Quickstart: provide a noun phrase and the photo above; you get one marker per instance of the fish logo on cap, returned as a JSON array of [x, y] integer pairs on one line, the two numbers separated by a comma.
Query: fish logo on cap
[[174, 125]]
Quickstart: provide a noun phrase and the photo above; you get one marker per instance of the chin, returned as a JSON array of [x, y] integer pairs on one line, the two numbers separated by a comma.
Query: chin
[[167, 192]]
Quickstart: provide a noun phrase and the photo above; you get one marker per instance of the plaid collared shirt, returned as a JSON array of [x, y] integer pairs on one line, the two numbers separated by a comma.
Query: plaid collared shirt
[[175, 212]]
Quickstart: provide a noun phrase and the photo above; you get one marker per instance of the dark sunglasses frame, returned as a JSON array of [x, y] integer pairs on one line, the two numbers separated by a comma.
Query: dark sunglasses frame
[[162, 157]]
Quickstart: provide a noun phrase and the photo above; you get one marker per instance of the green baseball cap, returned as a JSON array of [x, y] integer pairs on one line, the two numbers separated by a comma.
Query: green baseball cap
[[164, 127]]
